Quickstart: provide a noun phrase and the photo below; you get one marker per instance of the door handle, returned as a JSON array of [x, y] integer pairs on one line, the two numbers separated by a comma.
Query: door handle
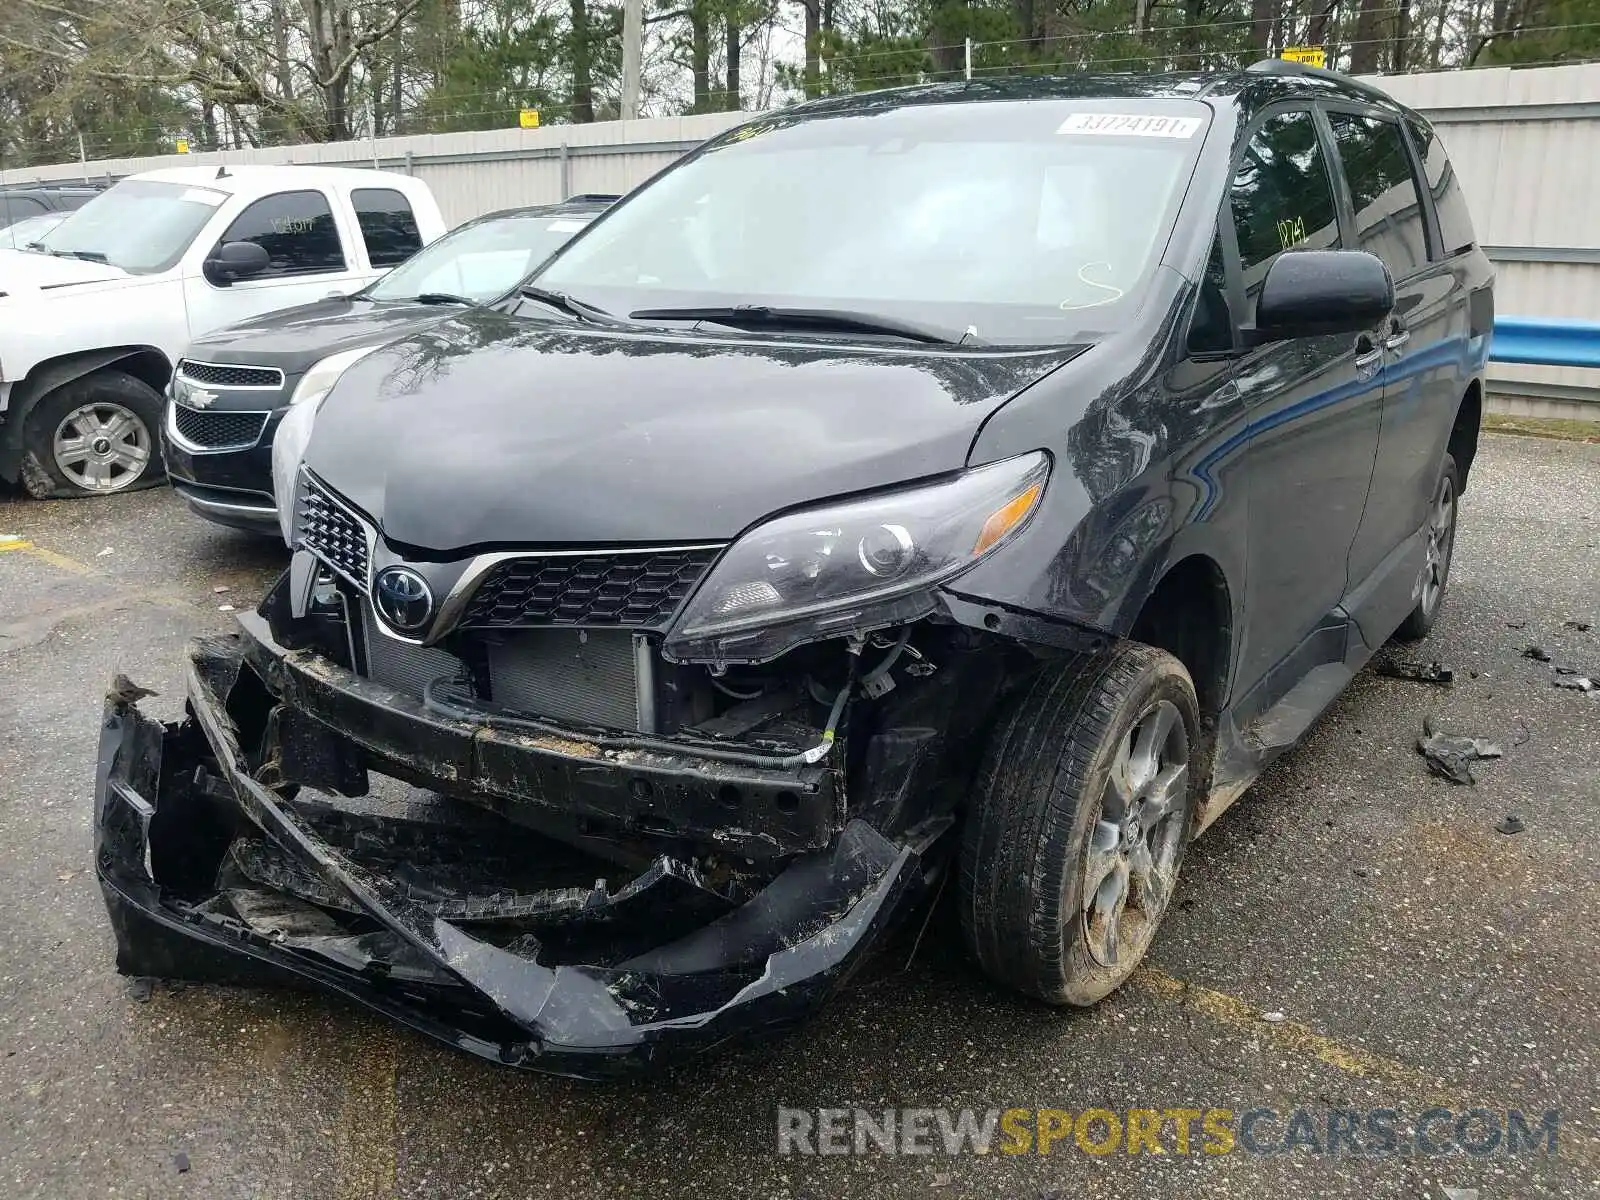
[[1369, 356], [1399, 335]]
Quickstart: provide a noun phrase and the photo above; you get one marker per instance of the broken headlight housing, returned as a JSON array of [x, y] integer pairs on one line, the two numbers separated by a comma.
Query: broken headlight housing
[[853, 566]]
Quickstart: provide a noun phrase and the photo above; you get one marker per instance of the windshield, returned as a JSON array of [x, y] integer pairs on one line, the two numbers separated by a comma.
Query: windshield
[[481, 261], [29, 229], [139, 225], [1027, 223]]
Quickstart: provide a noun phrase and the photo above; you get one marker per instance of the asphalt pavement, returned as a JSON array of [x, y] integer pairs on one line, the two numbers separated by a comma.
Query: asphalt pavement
[[1354, 935]]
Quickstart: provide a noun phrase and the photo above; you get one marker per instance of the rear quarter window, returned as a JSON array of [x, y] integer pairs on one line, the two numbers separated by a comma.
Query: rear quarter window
[[388, 226], [1455, 221]]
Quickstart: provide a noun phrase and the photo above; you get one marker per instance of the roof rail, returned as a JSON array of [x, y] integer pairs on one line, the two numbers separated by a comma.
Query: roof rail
[[592, 197], [1284, 66]]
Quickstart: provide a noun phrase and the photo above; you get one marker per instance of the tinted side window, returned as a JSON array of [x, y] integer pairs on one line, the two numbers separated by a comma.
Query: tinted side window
[[1455, 222], [1282, 196], [1383, 191], [296, 230], [388, 226]]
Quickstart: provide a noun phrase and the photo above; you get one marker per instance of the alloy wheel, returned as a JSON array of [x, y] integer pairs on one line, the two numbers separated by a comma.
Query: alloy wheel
[[102, 446], [1441, 543], [1130, 866]]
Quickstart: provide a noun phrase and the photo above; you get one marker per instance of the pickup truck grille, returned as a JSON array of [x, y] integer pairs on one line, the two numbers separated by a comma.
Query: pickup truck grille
[[642, 589], [226, 376], [331, 532], [215, 430]]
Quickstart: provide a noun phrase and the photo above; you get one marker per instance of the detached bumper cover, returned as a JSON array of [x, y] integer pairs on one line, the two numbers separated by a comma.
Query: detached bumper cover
[[174, 801]]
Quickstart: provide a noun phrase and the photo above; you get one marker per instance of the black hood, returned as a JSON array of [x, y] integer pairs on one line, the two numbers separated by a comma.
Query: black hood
[[493, 430], [294, 339]]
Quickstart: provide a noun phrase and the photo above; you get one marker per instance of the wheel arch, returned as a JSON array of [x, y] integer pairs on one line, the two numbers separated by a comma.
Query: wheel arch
[[1190, 614], [145, 363], [1463, 441]]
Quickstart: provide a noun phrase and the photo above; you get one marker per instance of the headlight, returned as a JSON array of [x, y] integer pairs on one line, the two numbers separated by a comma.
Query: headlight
[[850, 567], [319, 380], [294, 431]]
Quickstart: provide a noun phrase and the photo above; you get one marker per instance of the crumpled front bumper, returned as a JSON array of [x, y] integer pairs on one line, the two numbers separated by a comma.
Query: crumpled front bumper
[[174, 801]]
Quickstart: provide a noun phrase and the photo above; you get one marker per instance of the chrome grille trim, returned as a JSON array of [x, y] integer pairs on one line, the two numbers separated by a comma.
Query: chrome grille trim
[[326, 526], [179, 415], [231, 376]]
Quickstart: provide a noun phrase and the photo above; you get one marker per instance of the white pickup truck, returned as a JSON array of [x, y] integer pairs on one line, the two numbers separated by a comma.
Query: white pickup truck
[[95, 314]]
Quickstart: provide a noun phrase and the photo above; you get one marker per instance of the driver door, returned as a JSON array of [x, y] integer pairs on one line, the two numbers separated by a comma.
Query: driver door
[[310, 256]]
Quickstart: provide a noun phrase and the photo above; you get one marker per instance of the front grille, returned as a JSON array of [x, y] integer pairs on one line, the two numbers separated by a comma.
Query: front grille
[[402, 666], [639, 590], [221, 375], [586, 677], [331, 532], [218, 430]]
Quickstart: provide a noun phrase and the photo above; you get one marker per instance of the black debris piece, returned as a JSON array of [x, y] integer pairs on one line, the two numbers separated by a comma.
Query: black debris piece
[[1580, 626], [1448, 755], [1572, 681], [181, 1161], [1510, 824], [1415, 672], [1537, 653], [1516, 624]]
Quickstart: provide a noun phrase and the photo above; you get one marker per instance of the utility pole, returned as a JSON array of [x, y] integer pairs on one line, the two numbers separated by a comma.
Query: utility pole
[[969, 60], [632, 53]]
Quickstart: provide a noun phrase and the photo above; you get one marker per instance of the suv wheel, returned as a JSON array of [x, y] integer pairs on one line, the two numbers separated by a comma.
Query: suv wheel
[[1082, 812], [93, 436], [1436, 569]]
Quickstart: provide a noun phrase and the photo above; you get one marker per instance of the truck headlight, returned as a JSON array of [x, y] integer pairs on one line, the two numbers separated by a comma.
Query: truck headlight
[[853, 566], [294, 431]]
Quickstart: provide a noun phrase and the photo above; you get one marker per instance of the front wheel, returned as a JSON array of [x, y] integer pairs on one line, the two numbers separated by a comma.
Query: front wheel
[[1078, 826], [93, 436], [1435, 575]]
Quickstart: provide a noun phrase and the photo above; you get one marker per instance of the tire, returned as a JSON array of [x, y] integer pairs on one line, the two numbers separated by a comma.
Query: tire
[[1442, 512], [93, 437], [1034, 825]]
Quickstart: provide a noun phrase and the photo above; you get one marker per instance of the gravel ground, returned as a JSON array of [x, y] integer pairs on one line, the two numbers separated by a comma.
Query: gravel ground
[[1354, 934]]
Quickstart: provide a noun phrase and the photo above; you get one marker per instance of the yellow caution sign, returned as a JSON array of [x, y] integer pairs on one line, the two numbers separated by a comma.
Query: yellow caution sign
[[1312, 56], [528, 118], [183, 145]]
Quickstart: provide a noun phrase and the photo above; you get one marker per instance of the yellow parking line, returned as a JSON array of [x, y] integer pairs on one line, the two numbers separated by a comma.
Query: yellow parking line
[[1417, 1085], [1289, 1035], [60, 561]]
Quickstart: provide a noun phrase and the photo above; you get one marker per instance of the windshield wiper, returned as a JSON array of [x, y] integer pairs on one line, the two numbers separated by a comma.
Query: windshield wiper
[[571, 305], [835, 319], [445, 298], [93, 256]]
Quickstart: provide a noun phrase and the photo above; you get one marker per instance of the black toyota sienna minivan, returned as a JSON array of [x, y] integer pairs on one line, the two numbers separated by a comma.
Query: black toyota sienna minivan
[[987, 478]]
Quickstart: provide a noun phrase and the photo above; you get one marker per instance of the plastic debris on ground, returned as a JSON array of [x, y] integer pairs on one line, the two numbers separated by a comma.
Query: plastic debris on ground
[[1510, 824], [1579, 626], [1415, 672], [1448, 755], [1537, 653]]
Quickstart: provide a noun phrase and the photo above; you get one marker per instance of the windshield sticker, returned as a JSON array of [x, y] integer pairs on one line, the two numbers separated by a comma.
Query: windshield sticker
[[203, 196], [1292, 231], [568, 226], [1130, 125]]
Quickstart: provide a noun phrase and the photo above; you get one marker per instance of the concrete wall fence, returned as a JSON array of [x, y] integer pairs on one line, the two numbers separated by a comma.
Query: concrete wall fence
[[1525, 144]]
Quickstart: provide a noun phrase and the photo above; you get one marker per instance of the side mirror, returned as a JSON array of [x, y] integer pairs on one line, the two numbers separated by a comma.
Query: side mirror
[[1311, 292], [235, 260]]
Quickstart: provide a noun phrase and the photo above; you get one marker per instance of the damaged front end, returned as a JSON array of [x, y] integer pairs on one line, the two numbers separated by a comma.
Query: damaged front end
[[559, 895]]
